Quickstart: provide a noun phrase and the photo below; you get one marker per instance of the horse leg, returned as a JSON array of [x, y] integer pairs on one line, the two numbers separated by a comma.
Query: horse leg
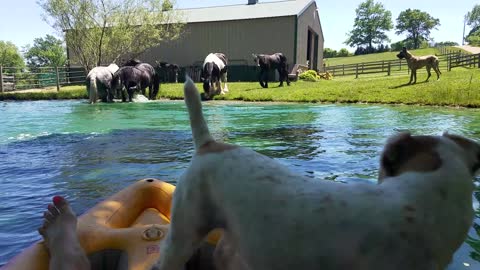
[[280, 76], [224, 79], [260, 78], [285, 72], [265, 78]]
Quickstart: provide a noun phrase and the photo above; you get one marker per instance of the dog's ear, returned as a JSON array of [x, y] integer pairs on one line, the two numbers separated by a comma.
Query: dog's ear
[[394, 154], [406, 153], [471, 148], [404, 49]]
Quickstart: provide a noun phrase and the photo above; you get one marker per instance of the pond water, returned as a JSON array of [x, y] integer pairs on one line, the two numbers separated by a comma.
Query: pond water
[[88, 152]]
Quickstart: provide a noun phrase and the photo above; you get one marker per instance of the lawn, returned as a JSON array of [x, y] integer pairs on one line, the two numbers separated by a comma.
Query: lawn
[[380, 56], [460, 87]]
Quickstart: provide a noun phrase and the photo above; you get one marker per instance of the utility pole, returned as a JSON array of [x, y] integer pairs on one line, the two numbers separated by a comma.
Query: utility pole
[[465, 18]]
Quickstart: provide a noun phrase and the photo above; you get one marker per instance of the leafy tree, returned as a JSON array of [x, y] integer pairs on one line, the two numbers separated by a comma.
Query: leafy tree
[[417, 25], [101, 31], [473, 17], [370, 26], [473, 20], [46, 52], [167, 5], [10, 55], [343, 53], [329, 53], [446, 44]]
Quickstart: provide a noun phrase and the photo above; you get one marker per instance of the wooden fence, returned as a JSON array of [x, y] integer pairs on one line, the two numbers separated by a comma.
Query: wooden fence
[[16, 79]]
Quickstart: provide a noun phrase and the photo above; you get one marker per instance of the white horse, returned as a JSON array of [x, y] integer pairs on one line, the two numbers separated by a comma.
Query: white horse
[[100, 78]]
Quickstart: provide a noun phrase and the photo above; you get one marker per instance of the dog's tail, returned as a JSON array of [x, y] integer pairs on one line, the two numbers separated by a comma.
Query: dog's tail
[[200, 132]]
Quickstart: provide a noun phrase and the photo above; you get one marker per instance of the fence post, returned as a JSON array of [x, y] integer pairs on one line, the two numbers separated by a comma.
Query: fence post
[[356, 72], [343, 69], [449, 63], [58, 79], [388, 68], [478, 60], [1, 79]]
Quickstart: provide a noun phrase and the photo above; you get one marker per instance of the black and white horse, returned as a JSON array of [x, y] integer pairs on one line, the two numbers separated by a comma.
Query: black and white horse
[[214, 69], [266, 62], [98, 83], [154, 79], [131, 79]]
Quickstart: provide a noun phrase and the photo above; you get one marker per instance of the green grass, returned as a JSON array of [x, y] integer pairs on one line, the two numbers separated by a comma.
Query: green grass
[[380, 56], [66, 92], [460, 87]]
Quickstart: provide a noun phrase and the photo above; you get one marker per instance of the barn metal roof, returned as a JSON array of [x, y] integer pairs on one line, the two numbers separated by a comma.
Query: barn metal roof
[[245, 12]]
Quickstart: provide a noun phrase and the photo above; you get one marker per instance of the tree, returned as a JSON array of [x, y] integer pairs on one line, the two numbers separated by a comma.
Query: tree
[[473, 20], [417, 24], [473, 17], [10, 56], [46, 52], [329, 53], [343, 53], [101, 31], [371, 23]]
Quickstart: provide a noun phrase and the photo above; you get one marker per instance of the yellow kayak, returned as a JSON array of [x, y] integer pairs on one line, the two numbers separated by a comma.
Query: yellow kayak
[[122, 232]]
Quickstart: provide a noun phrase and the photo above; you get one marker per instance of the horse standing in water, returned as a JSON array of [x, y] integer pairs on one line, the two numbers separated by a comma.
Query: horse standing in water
[[154, 85], [130, 78], [99, 83], [275, 61], [214, 69]]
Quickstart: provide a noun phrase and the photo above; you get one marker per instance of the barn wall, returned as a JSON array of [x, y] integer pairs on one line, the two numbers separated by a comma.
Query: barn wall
[[237, 39], [309, 20]]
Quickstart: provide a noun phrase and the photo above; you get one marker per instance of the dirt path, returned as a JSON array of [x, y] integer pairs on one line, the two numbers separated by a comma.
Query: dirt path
[[468, 48]]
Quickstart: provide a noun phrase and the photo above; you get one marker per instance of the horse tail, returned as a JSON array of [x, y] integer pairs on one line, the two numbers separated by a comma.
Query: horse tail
[[200, 132], [93, 89]]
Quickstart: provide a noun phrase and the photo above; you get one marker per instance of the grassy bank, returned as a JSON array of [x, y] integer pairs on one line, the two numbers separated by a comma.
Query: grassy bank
[[66, 92], [460, 87]]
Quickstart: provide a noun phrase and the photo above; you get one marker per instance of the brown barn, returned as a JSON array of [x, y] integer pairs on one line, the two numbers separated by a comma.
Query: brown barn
[[291, 27]]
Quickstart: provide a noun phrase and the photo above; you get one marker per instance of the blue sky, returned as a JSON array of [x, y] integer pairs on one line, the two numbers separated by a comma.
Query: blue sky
[[21, 20]]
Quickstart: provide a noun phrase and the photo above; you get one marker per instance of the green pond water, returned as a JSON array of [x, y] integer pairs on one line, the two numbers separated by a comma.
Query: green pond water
[[88, 152]]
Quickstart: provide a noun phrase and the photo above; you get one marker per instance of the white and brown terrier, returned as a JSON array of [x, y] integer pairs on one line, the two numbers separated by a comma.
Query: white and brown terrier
[[415, 218], [417, 62]]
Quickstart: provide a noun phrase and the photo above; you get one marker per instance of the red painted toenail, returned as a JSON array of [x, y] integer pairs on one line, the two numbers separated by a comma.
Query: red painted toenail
[[58, 199]]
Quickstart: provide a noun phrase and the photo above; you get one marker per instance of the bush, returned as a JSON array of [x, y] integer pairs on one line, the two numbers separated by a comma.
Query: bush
[[313, 76], [309, 75]]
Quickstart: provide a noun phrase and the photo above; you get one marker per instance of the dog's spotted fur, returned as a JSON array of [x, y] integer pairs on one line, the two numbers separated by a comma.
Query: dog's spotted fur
[[414, 219], [417, 62]]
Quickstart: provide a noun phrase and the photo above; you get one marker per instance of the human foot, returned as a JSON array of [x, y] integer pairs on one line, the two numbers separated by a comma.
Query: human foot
[[59, 230]]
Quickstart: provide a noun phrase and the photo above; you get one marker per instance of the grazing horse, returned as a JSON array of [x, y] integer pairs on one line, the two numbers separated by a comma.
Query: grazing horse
[[214, 69], [154, 85], [275, 61], [130, 78], [98, 83]]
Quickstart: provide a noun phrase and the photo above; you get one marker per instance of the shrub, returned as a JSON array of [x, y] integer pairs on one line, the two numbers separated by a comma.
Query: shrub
[[309, 75], [313, 76]]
